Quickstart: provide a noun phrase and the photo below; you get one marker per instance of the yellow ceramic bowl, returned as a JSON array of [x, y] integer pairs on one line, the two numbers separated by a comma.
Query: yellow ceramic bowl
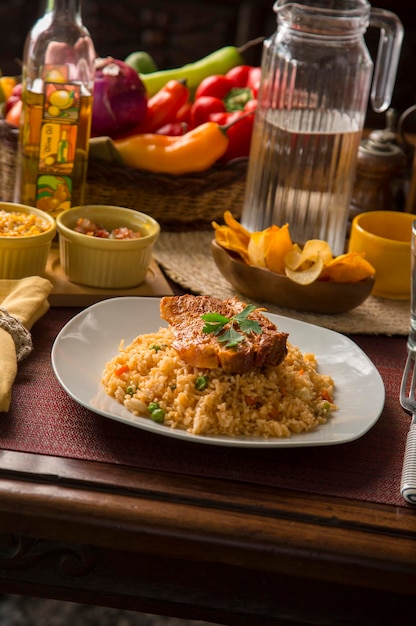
[[106, 263], [25, 255], [385, 237]]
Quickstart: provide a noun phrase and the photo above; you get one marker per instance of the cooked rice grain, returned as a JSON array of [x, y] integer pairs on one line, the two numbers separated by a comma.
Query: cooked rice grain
[[272, 402]]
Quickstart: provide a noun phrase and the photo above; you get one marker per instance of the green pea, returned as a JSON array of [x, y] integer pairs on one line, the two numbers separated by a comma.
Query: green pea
[[153, 406], [158, 415]]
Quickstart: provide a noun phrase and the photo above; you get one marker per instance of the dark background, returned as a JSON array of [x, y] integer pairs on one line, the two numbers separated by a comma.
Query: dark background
[[179, 31]]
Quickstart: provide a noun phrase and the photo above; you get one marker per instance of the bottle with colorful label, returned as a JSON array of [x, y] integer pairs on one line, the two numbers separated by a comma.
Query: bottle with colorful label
[[58, 84]]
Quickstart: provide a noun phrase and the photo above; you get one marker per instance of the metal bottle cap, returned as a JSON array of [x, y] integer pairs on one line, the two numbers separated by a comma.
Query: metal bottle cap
[[381, 143]]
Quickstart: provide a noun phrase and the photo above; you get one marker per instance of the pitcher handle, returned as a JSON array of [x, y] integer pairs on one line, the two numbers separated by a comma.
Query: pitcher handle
[[388, 55]]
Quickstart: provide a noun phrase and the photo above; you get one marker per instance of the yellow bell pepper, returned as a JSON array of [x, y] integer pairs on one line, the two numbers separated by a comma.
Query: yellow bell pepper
[[195, 151], [6, 87]]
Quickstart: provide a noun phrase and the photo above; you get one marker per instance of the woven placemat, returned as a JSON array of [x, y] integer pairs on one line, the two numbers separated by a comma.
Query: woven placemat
[[186, 258]]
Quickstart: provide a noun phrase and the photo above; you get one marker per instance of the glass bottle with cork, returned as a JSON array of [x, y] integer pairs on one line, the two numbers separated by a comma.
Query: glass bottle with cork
[[58, 82]]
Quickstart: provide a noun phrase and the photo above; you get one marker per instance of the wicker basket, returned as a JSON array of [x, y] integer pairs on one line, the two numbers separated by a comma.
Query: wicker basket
[[172, 200], [8, 145]]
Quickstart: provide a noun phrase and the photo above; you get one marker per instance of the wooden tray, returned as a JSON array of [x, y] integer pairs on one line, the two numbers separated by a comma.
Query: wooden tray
[[65, 293]]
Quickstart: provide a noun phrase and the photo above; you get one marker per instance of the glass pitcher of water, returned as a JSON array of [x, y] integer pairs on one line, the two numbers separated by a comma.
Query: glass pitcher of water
[[312, 102]]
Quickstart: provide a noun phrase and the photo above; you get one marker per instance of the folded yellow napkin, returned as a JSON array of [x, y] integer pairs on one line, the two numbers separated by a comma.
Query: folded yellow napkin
[[22, 303]]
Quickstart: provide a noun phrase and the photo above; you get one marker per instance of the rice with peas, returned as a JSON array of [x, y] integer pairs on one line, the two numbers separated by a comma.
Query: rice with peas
[[272, 402]]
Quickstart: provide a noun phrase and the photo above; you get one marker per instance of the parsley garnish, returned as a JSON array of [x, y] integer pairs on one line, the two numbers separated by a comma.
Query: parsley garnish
[[215, 323], [156, 348], [201, 383]]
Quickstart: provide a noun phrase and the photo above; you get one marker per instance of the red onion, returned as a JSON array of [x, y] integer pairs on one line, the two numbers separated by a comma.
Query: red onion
[[120, 99]]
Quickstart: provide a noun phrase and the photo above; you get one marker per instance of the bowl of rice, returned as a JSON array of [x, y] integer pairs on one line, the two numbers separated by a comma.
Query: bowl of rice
[[106, 246], [26, 234]]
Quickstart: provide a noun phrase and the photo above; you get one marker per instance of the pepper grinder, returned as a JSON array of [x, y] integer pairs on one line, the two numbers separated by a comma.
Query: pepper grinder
[[379, 164]]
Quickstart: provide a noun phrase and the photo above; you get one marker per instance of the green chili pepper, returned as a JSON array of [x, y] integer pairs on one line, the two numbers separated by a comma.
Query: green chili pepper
[[218, 62]]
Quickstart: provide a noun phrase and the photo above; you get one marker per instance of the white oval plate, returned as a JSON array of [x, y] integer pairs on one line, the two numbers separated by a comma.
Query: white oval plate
[[91, 338]]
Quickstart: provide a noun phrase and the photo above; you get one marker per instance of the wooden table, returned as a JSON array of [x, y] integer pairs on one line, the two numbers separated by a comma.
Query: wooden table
[[197, 547]]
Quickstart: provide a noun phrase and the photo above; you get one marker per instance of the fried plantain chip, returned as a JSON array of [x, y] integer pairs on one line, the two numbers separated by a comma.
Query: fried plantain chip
[[273, 248], [348, 268], [229, 239], [314, 248], [259, 244], [230, 220], [256, 249], [292, 259], [308, 275], [278, 245]]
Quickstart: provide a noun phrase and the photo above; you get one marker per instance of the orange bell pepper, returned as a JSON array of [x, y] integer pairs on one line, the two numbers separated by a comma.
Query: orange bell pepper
[[195, 151]]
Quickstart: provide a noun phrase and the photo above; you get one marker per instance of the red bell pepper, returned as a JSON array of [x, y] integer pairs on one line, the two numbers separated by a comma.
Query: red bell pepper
[[15, 96], [184, 113], [13, 115], [239, 75], [173, 129], [247, 76], [163, 106], [250, 106], [239, 130], [216, 86], [221, 94], [203, 107], [253, 81]]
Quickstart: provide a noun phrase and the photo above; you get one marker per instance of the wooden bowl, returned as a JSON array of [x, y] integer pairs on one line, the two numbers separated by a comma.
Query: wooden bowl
[[264, 285]]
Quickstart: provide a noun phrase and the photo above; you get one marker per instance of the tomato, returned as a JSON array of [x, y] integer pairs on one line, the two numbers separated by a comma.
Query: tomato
[[13, 114], [203, 107], [216, 85]]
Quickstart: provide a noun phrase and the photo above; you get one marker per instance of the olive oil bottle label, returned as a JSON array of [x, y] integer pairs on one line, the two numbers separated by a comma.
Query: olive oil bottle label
[[59, 107], [58, 84], [58, 140]]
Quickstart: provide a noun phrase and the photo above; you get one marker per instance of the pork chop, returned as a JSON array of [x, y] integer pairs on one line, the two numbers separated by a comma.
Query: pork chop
[[204, 350]]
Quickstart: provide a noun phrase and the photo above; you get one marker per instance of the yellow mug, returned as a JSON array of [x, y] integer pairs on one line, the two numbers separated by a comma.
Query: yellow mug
[[385, 237]]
